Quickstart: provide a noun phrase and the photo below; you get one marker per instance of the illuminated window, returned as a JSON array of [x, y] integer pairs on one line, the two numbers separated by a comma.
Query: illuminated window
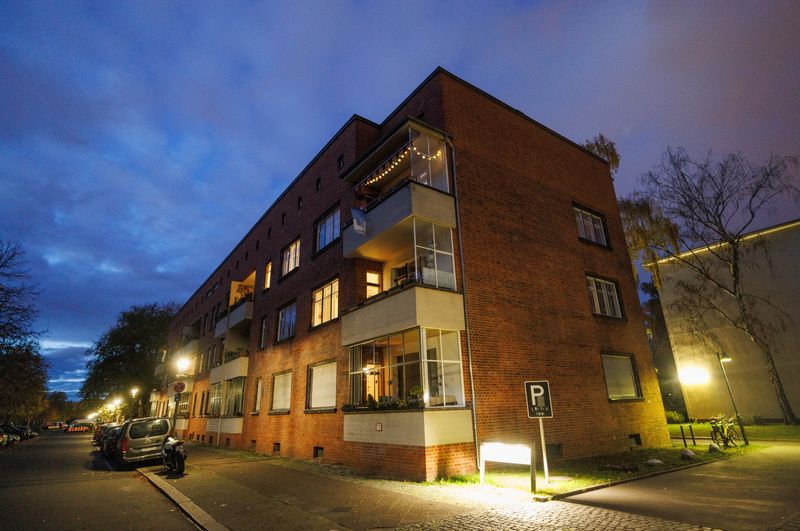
[[328, 229], [234, 396], [259, 391], [434, 250], [590, 226], [373, 283], [268, 275], [322, 386], [281, 392], [326, 303], [287, 317], [291, 257], [621, 379], [603, 297]]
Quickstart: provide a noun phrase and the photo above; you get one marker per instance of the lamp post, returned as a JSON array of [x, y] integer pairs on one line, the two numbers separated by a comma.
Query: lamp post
[[722, 360], [134, 404]]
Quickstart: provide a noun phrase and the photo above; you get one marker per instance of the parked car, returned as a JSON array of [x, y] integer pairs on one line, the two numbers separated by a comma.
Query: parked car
[[109, 440], [3, 438], [11, 437], [100, 430], [24, 433], [141, 439]]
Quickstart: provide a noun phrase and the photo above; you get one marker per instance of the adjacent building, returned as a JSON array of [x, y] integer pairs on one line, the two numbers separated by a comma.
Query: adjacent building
[[770, 259], [387, 309]]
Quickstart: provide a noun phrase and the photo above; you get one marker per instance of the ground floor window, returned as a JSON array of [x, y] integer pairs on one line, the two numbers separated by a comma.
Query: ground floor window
[[281, 391], [322, 386], [183, 404], [259, 389], [621, 379], [215, 400], [391, 370], [234, 393]]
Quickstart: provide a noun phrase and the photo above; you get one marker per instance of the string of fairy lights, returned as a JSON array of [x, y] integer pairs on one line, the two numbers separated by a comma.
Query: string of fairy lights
[[397, 159]]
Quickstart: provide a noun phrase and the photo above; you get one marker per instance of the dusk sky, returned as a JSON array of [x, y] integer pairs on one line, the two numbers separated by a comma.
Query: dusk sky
[[139, 141]]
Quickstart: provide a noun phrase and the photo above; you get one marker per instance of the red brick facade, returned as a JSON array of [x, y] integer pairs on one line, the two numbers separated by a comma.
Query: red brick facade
[[527, 305]]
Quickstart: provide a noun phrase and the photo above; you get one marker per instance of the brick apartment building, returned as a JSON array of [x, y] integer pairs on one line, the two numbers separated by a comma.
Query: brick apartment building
[[487, 250]]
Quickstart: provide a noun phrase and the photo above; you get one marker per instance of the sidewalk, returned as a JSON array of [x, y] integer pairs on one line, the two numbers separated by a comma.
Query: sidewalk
[[237, 490]]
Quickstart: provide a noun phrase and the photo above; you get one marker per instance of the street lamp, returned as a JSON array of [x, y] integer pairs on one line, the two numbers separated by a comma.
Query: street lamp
[[723, 359], [182, 365], [134, 392], [115, 405]]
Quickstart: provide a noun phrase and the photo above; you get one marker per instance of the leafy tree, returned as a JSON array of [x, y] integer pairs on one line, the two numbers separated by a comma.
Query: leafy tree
[[23, 380], [127, 354], [17, 311], [605, 148], [697, 213]]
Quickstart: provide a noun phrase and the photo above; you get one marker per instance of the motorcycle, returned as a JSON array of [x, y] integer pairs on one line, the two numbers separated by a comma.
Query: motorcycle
[[173, 455]]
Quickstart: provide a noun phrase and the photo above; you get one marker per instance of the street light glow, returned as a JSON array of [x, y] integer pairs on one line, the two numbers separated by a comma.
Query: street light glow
[[182, 364], [134, 391], [693, 375]]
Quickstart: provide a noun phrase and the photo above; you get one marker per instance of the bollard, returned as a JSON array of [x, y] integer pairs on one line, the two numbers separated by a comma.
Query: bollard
[[683, 436], [691, 431]]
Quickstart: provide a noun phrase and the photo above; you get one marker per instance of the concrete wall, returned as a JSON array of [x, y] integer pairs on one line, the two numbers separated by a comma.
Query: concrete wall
[[409, 428], [770, 271]]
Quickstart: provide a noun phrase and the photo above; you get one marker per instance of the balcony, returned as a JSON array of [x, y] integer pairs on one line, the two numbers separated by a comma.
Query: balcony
[[401, 308], [389, 223], [232, 369], [427, 427], [238, 317]]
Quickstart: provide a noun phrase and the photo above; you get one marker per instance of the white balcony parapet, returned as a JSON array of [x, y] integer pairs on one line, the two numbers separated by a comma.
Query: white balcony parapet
[[386, 221], [224, 425], [428, 427], [232, 369], [408, 308], [240, 314]]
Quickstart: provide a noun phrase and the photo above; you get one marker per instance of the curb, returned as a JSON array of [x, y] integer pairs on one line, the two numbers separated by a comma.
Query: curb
[[628, 480], [202, 519]]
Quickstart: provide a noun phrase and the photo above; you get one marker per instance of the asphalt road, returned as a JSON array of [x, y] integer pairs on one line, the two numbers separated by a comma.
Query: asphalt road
[[59, 481], [758, 491]]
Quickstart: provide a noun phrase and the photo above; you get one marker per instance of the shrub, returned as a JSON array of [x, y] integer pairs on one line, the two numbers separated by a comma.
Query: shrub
[[675, 417]]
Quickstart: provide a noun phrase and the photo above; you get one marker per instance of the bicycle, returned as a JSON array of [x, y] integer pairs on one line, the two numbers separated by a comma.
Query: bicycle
[[723, 431]]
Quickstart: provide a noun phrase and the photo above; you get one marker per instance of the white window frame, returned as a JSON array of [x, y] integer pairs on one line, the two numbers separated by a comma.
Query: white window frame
[[262, 340], [604, 297], [215, 400], [325, 398], [633, 376], [290, 258], [268, 275], [325, 299], [437, 251], [234, 397], [287, 322], [259, 392], [591, 227], [328, 229], [286, 383]]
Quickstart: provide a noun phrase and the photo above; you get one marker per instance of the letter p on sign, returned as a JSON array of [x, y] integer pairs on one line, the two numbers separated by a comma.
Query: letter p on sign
[[538, 398]]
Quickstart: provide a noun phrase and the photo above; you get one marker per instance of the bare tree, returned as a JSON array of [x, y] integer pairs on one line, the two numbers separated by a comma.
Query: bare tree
[[698, 214], [17, 311]]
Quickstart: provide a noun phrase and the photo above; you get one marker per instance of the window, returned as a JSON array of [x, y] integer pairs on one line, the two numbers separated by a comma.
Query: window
[[281, 392], [327, 229], [234, 396], [621, 379], [194, 404], [322, 386], [590, 226], [259, 390], [340, 162], [603, 297], [215, 400], [286, 321], [373, 283], [183, 404], [390, 369], [434, 252], [262, 340], [203, 404], [326, 303], [268, 275], [291, 258]]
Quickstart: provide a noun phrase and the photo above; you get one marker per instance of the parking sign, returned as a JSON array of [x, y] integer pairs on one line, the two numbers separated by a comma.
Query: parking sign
[[537, 394]]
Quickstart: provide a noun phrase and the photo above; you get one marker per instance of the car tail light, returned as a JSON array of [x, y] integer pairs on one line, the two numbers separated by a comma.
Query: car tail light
[[123, 444]]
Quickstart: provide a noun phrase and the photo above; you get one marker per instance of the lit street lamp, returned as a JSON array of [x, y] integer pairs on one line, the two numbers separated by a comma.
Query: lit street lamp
[[134, 404], [722, 360]]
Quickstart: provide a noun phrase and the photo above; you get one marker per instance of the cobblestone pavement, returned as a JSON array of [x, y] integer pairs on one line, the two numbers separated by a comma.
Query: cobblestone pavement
[[552, 515]]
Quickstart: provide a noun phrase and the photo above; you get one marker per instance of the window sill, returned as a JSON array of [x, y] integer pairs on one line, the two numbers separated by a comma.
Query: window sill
[[607, 247], [281, 412], [282, 341], [322, 325], [255, 413], [616, 400], [287, 275], [328, 246], [320, 410], [609, 317]]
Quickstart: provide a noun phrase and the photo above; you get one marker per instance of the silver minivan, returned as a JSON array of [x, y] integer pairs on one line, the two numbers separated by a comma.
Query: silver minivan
[[141, 439]]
